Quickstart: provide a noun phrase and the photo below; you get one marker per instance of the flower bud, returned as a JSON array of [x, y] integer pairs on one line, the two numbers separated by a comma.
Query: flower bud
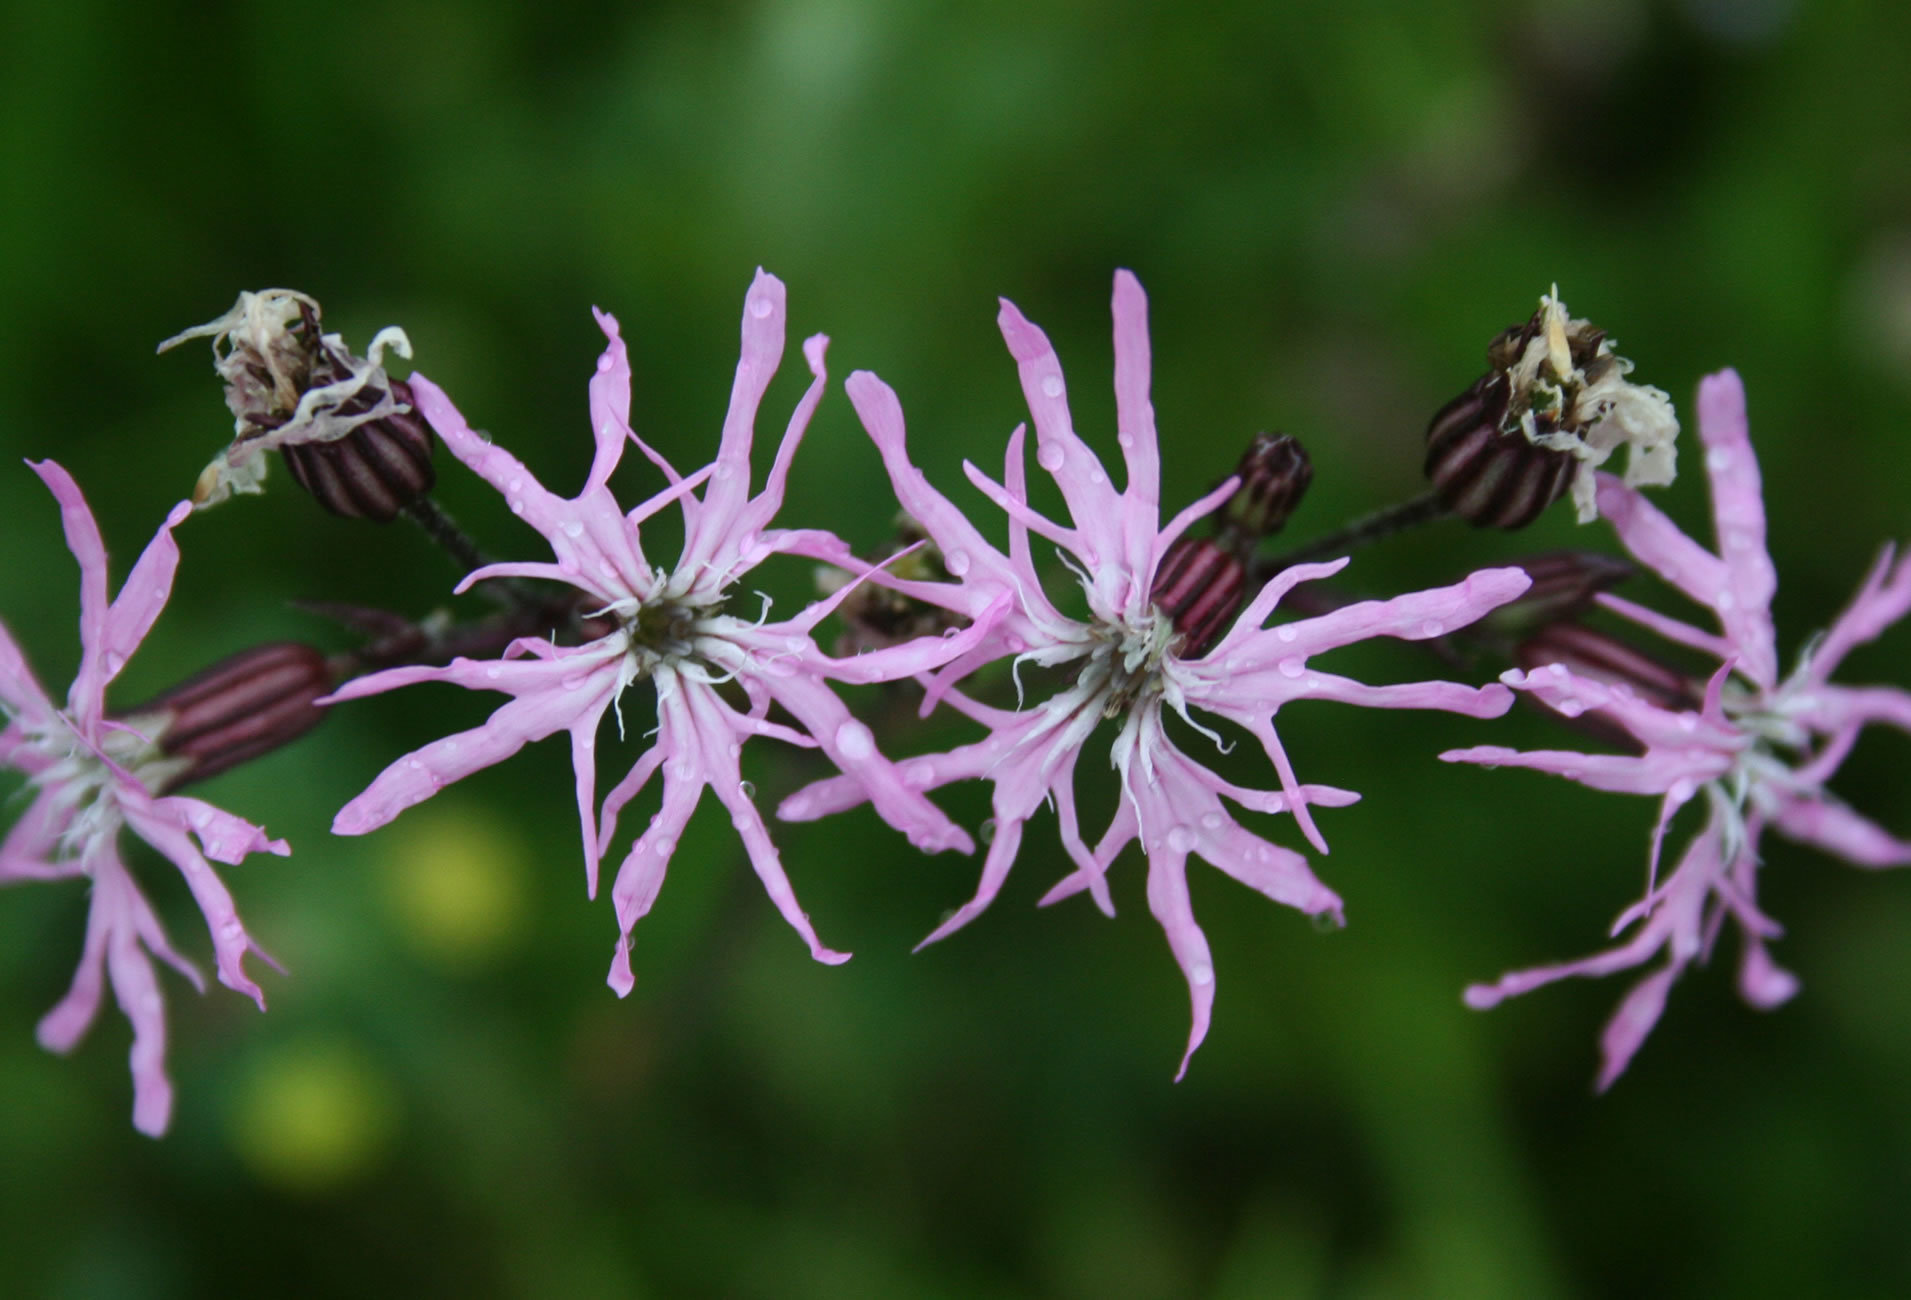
[[1201, 586], [876, 617], [236, 710], [1274, 473], [347, 428], [1564, 585], [1603, 657], [1555, 405]]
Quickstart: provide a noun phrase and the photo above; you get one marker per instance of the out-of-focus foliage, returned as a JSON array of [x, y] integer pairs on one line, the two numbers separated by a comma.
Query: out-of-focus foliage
[[1333, 207]]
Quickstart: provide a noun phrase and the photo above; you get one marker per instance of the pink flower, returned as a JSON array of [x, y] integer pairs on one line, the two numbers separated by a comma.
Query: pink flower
[[673, 627], [1760, 749], [1125, 660], [90, 776]]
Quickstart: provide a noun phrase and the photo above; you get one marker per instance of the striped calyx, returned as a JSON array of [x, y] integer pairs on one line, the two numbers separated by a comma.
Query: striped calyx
[[1484, 472], [1274, 474], [1200, 585], [374, 471], [236, 710]]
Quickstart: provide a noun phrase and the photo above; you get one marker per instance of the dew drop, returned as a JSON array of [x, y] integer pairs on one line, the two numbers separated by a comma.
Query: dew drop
[[1202, 974], [1049, 456], [415, 765], [724, 469], [1125, 439], [1681, 790], [567, 565], [1292, 667], [517, 506], [1327, 923], [604, 363], [1015, 644], [1571, 708], [573, 528], [1688, 722], [1214, 821], [986, 833], [1723, 601], [494, 672], [663, 846], [1432, 627], [1180, 839], [1717, 459], [1096, 477], [515, 485], [1286, 632], [747, 789], [956, 562], [1052, 386], [917, 775], [761, 307], [854, 740]]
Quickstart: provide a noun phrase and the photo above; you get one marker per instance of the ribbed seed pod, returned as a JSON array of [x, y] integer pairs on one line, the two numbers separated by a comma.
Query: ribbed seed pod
[[374, 471], [1485, 474], [1200, 586], [1275, 474], [238, 709]]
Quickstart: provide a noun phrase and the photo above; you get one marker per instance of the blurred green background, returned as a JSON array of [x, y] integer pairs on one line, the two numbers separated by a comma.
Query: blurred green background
[[1333, 207]]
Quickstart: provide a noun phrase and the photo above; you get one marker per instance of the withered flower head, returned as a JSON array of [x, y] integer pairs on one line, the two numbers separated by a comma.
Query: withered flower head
[[290, 386]]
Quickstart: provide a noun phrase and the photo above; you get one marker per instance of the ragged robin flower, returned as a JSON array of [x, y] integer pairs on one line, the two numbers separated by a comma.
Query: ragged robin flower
[[716, 671], [1126, 662], [1759, 749], [90, 775]]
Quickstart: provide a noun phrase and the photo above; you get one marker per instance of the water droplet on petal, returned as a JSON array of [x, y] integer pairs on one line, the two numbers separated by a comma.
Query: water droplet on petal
[[1681, 790], [1327, 923], [604, 362], [724, 469], [854, 740], [1126, 440], [987, 831], [1723, 601], [1052, 386], [917, 775], [573, 528], [1286, 632], [1214, 821], [1202, 974], [1432, 627], [1291, 667], [761, 307], [1717, 459], [1096, 477], [663, 846], [1049, 456], [747, 789], [1180, 839], [956, 562], [1015, 645]]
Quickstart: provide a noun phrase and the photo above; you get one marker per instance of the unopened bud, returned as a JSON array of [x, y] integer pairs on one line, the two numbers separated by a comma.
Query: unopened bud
[[347, 428], [236, 710], [1200, 586], [1555, 405], [1588, 652], [1564, 585], [1274, 473]]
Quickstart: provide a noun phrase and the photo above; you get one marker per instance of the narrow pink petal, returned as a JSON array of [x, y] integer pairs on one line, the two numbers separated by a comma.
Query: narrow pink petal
[[20, 691], [1762, 982], [1836, 708], [225, 838], [1656, 542], [1836, 829], [29, 849], [1168, 900], [1411, 617], [1265, 600], [610, 401], [1883, 599], [1738, 512], [756, 516], [1631, 1023], [764, 312], [995, 870], [1026, 516], [1092, 501], [1672, 629], [1135, 418], [1618, 773], [622, 793], [881, 414], [61, 1029], [716, 723], [136, 988], [230, 942], [85, 699], [142, 595]]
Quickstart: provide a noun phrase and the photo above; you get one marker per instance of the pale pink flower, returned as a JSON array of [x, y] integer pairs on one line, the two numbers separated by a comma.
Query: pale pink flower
[[91, 776], [1126, 663], [1760, 748], [673, 627]]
